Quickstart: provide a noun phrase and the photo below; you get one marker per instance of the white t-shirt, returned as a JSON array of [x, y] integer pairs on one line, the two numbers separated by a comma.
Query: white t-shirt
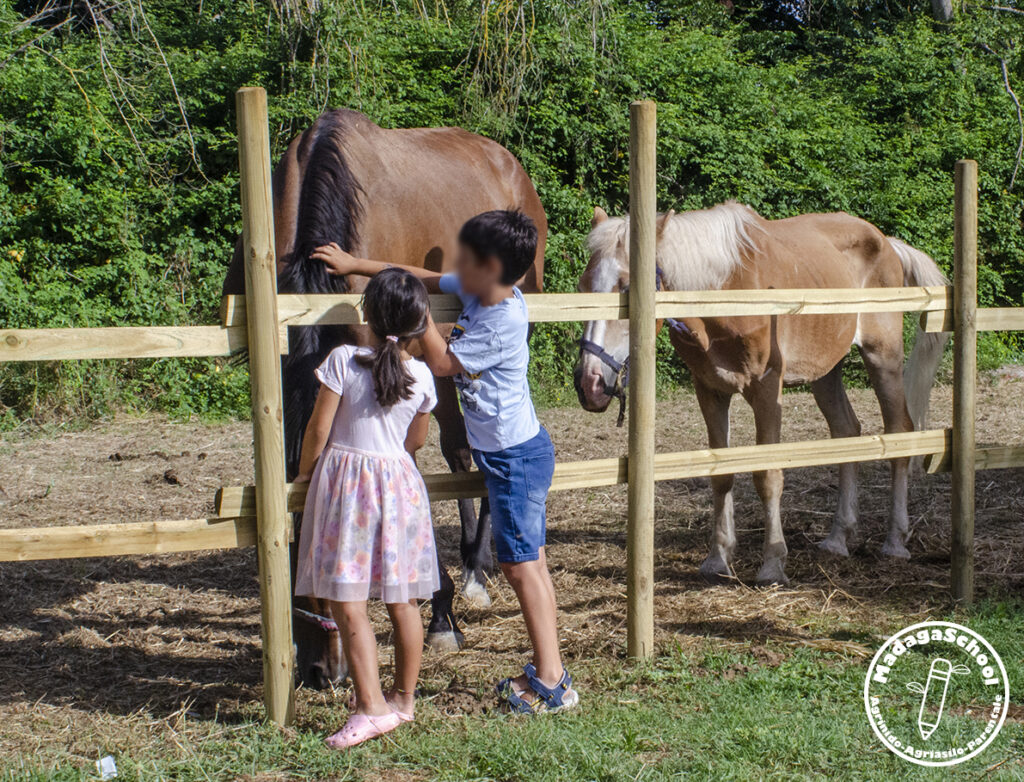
[[491, 344], [361, 423]]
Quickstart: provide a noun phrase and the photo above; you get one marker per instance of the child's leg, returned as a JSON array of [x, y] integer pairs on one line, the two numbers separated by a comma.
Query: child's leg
[[532, 584], [408, 626], [361, 652]]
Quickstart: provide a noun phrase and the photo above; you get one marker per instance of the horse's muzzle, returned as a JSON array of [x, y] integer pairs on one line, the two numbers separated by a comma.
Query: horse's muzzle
[[592, 390]]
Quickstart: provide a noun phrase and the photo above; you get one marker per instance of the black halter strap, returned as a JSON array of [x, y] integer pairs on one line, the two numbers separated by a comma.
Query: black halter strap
[[596, 350], [621, 368]]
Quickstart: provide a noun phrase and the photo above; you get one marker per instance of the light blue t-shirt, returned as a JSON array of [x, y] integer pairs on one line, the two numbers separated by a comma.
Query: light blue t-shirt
[[491, 344]]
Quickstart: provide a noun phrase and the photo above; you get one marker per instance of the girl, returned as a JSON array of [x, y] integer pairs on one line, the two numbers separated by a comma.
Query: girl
[[366, 528]]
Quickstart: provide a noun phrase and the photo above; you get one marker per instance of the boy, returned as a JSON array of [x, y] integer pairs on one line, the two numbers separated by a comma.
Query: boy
[[487, 354]]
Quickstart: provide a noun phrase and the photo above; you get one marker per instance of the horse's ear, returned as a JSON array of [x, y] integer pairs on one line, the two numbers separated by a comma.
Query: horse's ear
[[599, 217], [663, 221]]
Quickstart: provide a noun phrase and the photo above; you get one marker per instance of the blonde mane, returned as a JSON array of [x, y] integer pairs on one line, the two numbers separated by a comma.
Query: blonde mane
[[697, 251]]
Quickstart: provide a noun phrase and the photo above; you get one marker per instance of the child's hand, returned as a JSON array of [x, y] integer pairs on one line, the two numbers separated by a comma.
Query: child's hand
[[302, 477], [338, 261]]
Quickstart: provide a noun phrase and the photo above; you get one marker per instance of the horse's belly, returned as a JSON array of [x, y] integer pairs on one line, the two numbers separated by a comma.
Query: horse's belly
[[811, 345]]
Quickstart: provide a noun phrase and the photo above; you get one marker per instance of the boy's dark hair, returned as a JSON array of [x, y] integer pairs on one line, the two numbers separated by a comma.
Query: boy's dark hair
[[395, 305], [508, 235]]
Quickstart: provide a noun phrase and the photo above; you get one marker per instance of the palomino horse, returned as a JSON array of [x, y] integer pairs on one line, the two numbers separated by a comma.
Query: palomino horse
[[731, 247], [396, 195]]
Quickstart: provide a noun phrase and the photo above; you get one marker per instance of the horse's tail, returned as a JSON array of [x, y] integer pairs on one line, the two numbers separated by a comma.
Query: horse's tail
[[329, 209], [919, 371]]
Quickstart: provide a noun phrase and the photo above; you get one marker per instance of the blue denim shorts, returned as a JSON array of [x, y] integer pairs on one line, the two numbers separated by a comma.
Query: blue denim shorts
[[518, 480]]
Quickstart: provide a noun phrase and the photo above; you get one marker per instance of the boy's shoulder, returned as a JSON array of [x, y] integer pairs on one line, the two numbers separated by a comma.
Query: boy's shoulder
[[512, 311]]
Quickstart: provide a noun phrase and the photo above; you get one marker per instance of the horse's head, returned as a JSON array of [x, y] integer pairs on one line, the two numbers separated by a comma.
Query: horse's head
[[319, 659], [601, 370]]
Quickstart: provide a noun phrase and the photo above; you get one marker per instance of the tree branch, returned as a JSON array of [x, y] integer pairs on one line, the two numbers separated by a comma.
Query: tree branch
[[1020, 119], [1007, 9]]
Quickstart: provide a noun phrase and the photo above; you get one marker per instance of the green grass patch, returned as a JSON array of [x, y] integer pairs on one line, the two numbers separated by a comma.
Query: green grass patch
[[714, 713]]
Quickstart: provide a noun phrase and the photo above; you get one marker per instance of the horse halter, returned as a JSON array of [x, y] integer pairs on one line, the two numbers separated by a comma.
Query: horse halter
[[621, 368]]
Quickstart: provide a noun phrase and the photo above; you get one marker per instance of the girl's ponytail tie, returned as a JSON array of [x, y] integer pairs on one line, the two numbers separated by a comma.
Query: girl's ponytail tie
[[392, 338]]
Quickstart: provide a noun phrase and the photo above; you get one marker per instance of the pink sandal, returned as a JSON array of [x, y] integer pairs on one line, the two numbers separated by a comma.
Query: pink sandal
[[403, 716], [363, 727]]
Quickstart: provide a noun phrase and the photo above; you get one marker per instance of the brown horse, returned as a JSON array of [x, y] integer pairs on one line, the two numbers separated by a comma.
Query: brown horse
[[397, 195], [731, 247]]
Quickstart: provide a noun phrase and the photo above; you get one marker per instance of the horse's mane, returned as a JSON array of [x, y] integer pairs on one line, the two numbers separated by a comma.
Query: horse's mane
[[697, 250], [328, 211]]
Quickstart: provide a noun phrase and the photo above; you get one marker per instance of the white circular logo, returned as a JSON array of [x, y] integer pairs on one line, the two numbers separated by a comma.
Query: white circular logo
[[936, 693]]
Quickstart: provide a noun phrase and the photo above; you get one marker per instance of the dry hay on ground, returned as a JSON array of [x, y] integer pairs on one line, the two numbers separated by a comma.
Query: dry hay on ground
[[141, 651]]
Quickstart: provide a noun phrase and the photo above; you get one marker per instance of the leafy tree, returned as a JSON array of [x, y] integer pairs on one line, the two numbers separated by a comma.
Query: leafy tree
[[118, 199]]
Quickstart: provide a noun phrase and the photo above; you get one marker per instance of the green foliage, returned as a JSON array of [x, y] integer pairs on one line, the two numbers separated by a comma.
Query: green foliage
[[118, 200]]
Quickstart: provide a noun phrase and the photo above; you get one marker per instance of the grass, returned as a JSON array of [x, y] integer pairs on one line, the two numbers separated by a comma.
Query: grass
[[706, 713]]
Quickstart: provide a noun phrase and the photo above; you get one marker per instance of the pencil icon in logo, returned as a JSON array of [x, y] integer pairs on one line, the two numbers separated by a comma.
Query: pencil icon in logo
[[933, 694]]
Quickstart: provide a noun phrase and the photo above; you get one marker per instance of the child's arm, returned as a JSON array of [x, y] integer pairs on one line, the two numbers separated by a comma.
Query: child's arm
[[437, 353], [317, 431], [340, 263], [417, 434]]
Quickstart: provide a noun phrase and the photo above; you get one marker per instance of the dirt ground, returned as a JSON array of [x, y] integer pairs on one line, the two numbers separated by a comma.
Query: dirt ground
[[133, 648]]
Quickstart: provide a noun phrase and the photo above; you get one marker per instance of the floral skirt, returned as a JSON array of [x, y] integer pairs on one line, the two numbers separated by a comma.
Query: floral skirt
[[366, 530]]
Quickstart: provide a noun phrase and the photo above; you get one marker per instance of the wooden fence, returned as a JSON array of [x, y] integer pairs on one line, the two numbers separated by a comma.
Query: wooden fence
[[248, 515]]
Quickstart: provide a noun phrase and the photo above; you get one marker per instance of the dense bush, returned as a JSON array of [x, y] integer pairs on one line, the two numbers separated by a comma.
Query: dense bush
[[118, 201]]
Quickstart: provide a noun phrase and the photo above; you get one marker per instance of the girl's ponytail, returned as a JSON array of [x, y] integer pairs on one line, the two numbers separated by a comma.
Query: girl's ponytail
[[395, 304]]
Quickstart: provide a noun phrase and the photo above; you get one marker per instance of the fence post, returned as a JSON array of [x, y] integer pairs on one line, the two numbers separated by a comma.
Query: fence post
[[965, 364], [643, 208], [267, 406]]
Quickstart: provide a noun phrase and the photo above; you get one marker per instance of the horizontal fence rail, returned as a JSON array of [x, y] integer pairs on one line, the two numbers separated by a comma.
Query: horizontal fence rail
[[988, 319], [115, 540], [234, 525], [124, 342], [346, 308], [129, 342], [238, 501]]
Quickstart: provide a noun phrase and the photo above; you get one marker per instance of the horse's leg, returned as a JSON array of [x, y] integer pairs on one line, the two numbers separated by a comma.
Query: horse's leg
[[475, 545], [715, 408], [443, 633], [831, 397], [883, 357], [765, 397]]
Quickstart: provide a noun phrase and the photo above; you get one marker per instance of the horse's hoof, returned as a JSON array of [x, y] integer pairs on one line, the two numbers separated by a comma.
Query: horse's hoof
[[772, 574], [895, 550], [475, 594], [446, 641], [714, 570], [835, 546]]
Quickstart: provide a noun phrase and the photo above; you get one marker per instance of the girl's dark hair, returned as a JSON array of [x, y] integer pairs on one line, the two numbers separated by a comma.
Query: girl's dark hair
[[395, 305]]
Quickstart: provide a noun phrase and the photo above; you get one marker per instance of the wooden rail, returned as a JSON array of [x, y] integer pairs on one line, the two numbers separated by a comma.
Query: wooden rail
[[987, 319], [234, 525], [991, 457], [124, 342], [346, 308], [116, 540], [131, 342], [237, 501]]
